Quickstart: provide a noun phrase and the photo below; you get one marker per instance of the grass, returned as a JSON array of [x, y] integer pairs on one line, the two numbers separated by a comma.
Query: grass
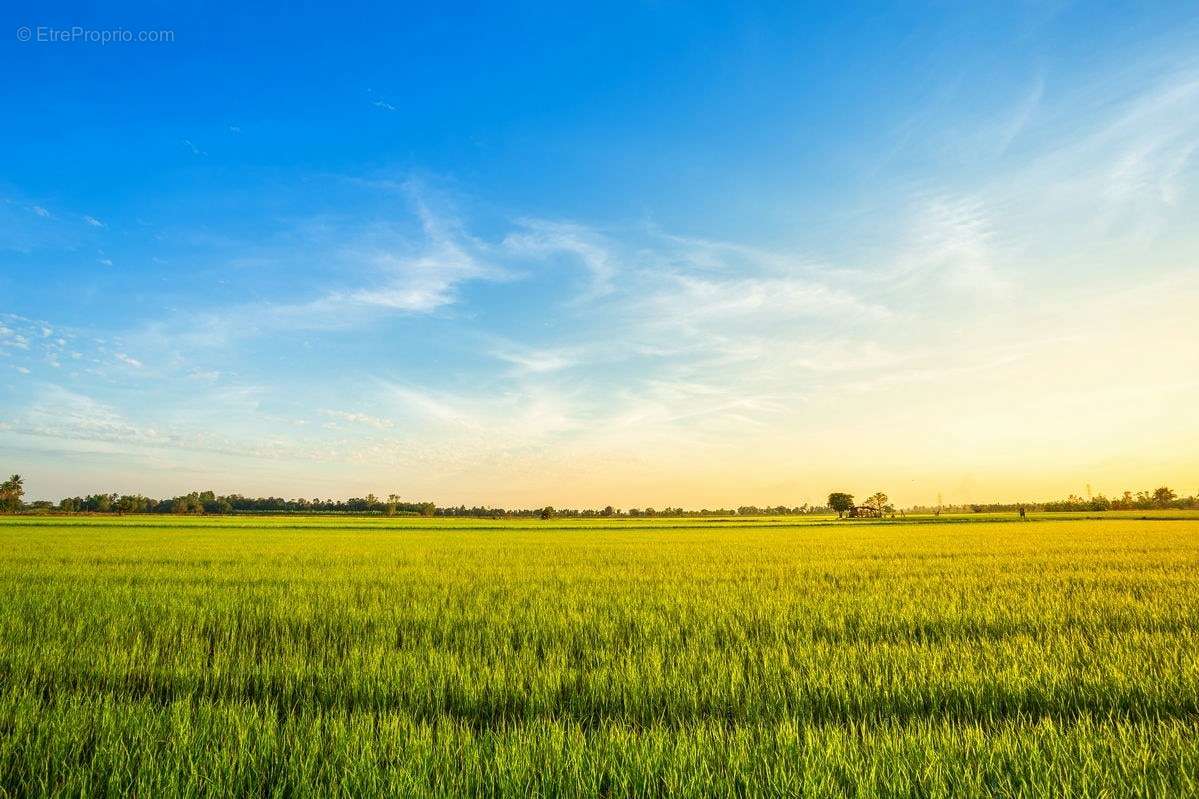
[[354, 656]]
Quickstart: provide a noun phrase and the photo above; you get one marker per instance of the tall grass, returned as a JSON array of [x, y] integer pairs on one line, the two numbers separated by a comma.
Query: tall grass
[[351, 657]]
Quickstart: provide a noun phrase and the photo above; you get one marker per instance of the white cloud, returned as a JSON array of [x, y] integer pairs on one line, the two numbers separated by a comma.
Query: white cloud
[[420, 284], [688, 299], [536, 361], [91, 220], [426, 280], [11, 338], [541, 238], [123, 358], [386, 269], [952, 243], [1114, 171], [439, 407], [360, 418]]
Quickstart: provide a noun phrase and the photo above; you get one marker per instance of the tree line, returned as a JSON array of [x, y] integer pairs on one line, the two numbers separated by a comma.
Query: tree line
[[208, 502], [198, 502], [1162, 498], [843, 504]]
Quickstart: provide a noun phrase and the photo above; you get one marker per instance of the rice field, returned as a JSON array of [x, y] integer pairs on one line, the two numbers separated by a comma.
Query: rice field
[[316, 656]]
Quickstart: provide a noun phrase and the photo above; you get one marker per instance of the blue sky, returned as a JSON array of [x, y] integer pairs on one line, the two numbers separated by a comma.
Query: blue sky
[[651, 254]]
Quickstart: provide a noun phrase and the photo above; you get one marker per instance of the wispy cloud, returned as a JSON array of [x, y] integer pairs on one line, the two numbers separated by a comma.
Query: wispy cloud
[[380, 271], [689, 299], [1022, 114], [541, 238], [951, 241], [91, 220], [360, 418], [427, 279], [1108, 175], [536, 361]]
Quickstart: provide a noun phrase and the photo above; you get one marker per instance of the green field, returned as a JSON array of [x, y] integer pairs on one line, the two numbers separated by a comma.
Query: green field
[[322, 656]]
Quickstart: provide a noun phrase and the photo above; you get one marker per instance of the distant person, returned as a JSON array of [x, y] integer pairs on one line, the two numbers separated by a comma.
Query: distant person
[[1023, 515]]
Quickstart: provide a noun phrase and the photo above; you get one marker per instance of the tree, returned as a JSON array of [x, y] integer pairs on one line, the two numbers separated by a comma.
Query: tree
[[841, 503], [1162, 497], [878, 501], [547, 512], [11, 491]]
